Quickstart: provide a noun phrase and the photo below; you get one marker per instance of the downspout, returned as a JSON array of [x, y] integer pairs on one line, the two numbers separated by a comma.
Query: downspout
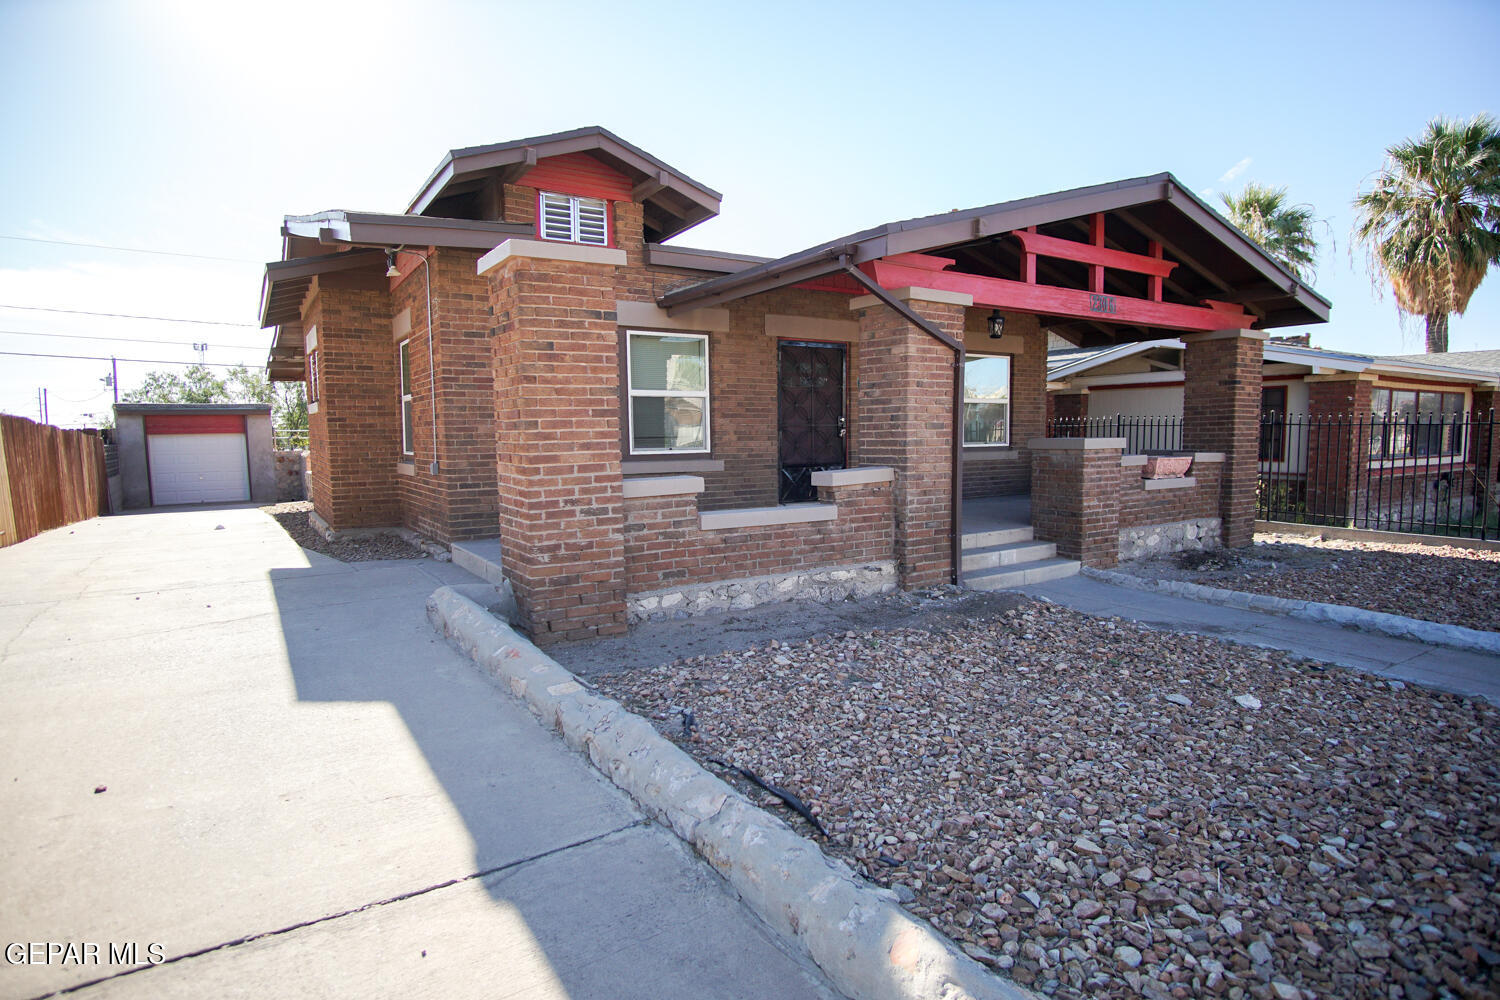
[[431, 358], [955, 538]]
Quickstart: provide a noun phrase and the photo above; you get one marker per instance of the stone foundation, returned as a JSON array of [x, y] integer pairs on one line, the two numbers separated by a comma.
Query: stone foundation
[[824, 586], [1191, 535]]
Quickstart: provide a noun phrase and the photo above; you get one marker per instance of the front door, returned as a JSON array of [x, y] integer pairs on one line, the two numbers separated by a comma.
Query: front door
[[810, 414]]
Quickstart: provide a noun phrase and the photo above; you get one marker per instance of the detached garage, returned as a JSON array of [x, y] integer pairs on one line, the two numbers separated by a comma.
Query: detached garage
[[178, 453]]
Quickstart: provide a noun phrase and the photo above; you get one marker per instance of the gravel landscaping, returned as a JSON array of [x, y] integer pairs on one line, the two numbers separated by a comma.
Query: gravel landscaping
[[294, 518], [1436, 583], [1099, 810]]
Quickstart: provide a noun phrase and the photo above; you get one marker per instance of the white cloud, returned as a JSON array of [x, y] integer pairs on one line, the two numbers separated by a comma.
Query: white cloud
[[1228, 177]]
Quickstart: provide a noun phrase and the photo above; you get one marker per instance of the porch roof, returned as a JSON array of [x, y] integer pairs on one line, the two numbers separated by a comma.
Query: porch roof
[[1215, 261]]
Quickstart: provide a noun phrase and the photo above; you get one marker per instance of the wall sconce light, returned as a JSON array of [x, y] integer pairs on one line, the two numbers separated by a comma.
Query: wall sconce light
[[391, 270], [997, 325]]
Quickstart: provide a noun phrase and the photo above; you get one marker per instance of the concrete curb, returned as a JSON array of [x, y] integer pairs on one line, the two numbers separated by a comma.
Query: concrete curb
[[869, 947], [1433, 633]]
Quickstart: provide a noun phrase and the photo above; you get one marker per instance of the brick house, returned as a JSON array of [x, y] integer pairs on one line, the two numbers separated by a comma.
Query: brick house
[[1394, 442], [522, 360]]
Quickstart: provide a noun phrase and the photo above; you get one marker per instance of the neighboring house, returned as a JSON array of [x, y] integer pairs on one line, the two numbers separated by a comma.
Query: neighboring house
[[522, 355], [1415, 422]]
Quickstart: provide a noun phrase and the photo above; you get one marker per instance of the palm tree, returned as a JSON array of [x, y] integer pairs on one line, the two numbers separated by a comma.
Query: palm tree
[[1284, 231], [1431, 222]]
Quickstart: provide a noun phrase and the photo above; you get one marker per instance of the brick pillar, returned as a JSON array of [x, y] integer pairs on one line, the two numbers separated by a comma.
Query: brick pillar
[[905, 421], [1338, 414], [1221, 413], [1075, 497], [355, 436], [557, 435], [1069, 404], [1484, 451]]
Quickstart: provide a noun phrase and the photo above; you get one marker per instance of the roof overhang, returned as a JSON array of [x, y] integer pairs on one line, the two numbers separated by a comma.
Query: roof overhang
[[339, 228], [1222, 262], [673, 202]]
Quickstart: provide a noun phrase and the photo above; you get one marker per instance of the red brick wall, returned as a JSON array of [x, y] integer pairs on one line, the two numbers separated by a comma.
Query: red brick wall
[[1075, 502], [459, 501], [556, 391], [1140, 506], [665, 547], [355, 437], [1067, 406], [905, 421], [1484, 451], [986, 472], [1221, 412]]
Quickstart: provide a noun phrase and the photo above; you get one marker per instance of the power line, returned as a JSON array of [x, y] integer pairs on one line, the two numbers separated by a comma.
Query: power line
[[133, 340], [163, 319], [143, 361], [106, 246]]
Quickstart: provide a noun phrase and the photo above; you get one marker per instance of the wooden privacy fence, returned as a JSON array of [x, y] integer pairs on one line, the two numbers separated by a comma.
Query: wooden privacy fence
[[49, 477]]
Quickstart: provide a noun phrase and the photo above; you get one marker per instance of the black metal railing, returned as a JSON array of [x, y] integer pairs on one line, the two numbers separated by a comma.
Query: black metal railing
[[1430, 474], [1141, 434]]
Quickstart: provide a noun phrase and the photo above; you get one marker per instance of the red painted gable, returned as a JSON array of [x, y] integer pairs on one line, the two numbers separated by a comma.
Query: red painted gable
[[578, 174]]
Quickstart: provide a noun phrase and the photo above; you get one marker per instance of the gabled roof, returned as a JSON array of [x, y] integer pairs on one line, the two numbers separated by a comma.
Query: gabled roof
[[1062, 364], [1217, 260], [672, 200]]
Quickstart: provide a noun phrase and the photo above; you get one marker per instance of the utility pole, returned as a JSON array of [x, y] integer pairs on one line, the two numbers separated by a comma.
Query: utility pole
[[114, 376], [44, 405], [41, 407]]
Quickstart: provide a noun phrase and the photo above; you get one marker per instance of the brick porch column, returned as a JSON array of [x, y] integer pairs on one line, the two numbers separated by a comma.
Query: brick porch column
[[905, 421], [1484, 451], [1067, 404], [1075, 497], [354, 430], [1221, 412], [557, 435], [1338, 412]]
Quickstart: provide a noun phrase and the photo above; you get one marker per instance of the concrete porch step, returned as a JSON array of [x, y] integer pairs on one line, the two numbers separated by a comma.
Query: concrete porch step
[[980, 538], [480, 556], [1009, 554], [1006, 577]]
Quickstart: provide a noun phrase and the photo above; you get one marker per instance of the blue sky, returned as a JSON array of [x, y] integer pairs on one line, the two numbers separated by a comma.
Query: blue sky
[[194, 127]]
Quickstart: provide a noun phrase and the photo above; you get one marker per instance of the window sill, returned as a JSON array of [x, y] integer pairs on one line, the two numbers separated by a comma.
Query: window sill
[[759, 517], [1180, 483], [990, 452]]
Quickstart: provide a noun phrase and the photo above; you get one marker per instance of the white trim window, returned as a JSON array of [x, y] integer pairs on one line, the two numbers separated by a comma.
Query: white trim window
[[403, 358], [667, 386], [568, 218], [987, 401]]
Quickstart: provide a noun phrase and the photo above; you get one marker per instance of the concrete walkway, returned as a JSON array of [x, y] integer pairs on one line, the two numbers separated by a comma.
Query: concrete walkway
[[1400, 659], [308, 794]]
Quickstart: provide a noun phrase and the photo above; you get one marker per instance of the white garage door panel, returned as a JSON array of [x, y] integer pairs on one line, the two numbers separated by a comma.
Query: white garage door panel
[[198, 468]]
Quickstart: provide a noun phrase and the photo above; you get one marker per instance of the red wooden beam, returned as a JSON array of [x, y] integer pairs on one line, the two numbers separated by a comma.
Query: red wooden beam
[[1001, 293], [1086, 253], [1153, 282], [1096, 237]]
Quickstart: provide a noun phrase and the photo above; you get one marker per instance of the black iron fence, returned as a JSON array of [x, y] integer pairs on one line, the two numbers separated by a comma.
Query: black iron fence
[[1141, 434], [1431, 474]]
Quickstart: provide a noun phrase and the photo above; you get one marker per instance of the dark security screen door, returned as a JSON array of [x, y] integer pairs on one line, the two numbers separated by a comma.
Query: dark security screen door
[[810, 414]]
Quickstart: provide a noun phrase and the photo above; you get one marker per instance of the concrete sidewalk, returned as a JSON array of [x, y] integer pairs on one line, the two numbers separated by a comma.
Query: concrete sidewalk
[[307, 793], [1453, 670]]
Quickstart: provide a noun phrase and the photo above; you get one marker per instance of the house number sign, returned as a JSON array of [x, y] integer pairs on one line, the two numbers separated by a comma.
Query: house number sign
[[1101, 303]]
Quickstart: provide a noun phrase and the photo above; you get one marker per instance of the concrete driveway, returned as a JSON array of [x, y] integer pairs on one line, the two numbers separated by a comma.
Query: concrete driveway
[[308, 794]]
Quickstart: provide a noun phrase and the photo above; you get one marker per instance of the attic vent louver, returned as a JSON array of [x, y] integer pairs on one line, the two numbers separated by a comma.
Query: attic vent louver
[[571, 219]]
